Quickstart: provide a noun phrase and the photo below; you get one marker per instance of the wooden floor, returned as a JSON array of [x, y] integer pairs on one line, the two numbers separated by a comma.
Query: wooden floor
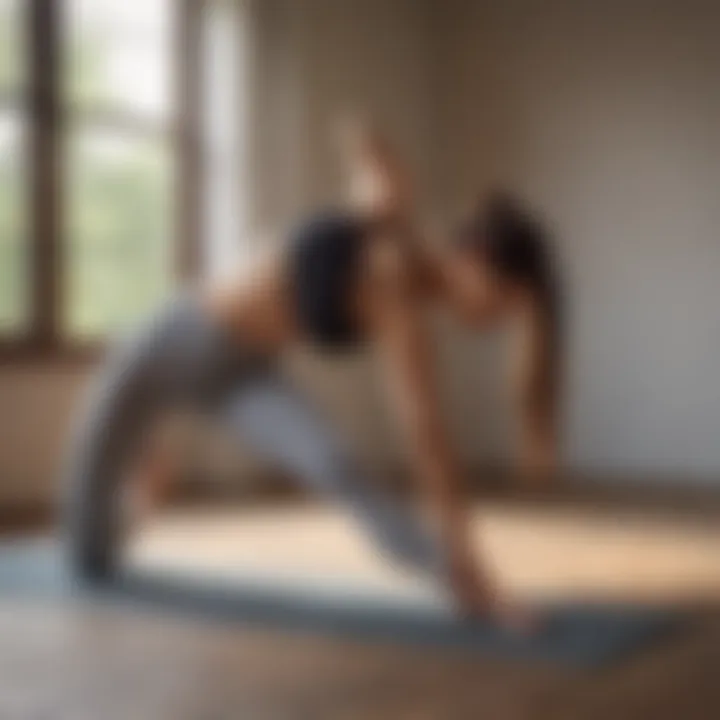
[[71, 662]]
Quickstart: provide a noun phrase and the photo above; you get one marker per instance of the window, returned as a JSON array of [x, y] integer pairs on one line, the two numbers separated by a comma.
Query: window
[[223, 132], [99, 165], [14, 269], [118, 147]]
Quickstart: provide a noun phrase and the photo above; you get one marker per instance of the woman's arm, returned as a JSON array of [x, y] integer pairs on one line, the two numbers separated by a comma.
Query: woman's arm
[[535, 384], [405, 351], [378, 183]]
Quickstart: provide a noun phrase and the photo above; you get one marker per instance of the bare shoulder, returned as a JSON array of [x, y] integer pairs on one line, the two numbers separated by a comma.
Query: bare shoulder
[[389, 268]]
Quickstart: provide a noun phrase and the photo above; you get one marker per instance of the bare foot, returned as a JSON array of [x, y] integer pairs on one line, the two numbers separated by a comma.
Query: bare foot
[[146, 488]]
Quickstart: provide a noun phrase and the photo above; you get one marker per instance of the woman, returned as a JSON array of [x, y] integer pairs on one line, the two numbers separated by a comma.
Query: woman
[[346, 278]]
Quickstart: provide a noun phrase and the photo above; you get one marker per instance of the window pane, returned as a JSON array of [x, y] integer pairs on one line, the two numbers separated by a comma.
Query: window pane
[[119, 54], [119, 262], [222, 129], [12, 49], [14, 285]]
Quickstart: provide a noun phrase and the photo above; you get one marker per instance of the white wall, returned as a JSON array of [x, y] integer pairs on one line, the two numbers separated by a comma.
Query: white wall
[[607, 116]]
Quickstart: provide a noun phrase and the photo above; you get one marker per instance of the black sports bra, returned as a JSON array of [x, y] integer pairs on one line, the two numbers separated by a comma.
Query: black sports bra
[[324, 258]]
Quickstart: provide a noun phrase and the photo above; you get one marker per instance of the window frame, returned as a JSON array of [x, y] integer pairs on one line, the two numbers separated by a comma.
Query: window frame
[[42, 106]]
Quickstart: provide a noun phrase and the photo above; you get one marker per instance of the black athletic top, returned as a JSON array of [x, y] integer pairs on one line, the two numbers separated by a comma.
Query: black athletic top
[[324, 258]]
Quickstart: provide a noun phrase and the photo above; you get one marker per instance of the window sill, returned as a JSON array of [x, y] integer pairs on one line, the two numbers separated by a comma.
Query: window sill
[[35, 354]]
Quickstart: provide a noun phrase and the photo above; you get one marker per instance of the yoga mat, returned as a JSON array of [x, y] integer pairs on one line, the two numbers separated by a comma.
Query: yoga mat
[[583, 635]]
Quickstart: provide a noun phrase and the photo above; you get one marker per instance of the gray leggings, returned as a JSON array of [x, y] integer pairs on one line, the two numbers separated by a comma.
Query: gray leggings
[[182, 359]]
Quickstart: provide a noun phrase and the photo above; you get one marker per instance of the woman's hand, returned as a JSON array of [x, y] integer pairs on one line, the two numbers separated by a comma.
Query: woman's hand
[[379, 184], [478, 595], [474, 592]]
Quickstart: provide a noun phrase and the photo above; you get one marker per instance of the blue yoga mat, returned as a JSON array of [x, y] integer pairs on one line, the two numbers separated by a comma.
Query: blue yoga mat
[[582, 635]]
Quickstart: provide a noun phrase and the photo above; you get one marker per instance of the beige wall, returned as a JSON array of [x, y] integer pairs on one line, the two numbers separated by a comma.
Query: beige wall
[[308, 59], [383, 56], [317, 59], [35, 407], [606, 115]]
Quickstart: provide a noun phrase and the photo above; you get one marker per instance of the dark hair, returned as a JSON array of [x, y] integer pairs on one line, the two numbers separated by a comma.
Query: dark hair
[[518, 247], [515, 244]]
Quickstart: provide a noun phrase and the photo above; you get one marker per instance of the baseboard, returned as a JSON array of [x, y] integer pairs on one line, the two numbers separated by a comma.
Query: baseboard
[[20, 518], [677, 494], [631, 491]]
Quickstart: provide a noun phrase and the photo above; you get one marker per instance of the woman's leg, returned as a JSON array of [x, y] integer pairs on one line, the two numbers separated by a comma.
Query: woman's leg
[[176, 360], [282, 425], [148, 482], [110, 429]]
